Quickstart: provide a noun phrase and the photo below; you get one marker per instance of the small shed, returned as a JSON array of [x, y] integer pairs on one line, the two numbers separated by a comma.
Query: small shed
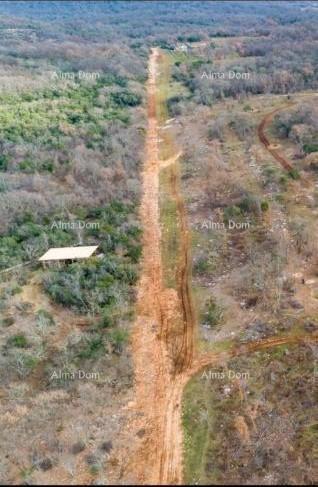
[[181, 48], [59, 254]]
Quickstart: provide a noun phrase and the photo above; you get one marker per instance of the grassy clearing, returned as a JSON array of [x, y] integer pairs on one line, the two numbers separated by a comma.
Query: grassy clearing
[[167, 89], [196, 430], [168, 206], [167, 146], [162, 87], [170, 245]]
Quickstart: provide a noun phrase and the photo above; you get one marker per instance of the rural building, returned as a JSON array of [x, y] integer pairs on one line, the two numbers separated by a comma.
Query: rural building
[[59, 254], [181, 48]]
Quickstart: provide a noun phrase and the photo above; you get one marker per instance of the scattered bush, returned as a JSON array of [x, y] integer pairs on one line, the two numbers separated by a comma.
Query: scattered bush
[[201, 265], [8, 321], [126, 98], [91, 348], [78, 447], [250, 204], [107, 320], [309, 148], [264, 205], [231, 212], [18, 341], [213, 315], [3, 162], [294, 174], [118, 338]]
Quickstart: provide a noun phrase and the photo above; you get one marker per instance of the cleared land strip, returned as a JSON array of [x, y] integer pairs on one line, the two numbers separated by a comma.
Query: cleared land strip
[[157, 392]]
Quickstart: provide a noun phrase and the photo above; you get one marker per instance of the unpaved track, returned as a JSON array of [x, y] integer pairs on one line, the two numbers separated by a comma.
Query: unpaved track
[[247, 348], [268, 119], [263, 137], [184, 351], [158, 387]]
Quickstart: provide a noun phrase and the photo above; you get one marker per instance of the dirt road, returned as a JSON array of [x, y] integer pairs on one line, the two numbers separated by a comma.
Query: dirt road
[[263, 138], [265, 123], [158, 383]]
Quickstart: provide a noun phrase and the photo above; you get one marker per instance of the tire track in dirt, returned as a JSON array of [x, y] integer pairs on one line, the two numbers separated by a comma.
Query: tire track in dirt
[[265, 141], [247, 348], [285, 163], [183, 354], [171, 456], [158, 383]]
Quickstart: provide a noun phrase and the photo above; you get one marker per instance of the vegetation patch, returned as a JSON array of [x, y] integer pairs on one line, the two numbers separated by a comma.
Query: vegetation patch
[[231, 416]]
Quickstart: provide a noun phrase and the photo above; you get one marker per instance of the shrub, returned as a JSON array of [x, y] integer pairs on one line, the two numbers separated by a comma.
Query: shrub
[[293, 174], [126, 98], [118, 338], [44, 318], [94, 469], [25, 363], [164, 44], [201, 265], [91, 348], [250, 204], [216, 129], [308, 148], [78, 447], [173, 105], [242, 125], [4, 186], [213, 314], [3, 162], [7, 321], [47, 166], [264, 205], [194, 38], [106, 321], [231, 212], [64, 289], [27, 166], [134, 252], [18, 341]]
